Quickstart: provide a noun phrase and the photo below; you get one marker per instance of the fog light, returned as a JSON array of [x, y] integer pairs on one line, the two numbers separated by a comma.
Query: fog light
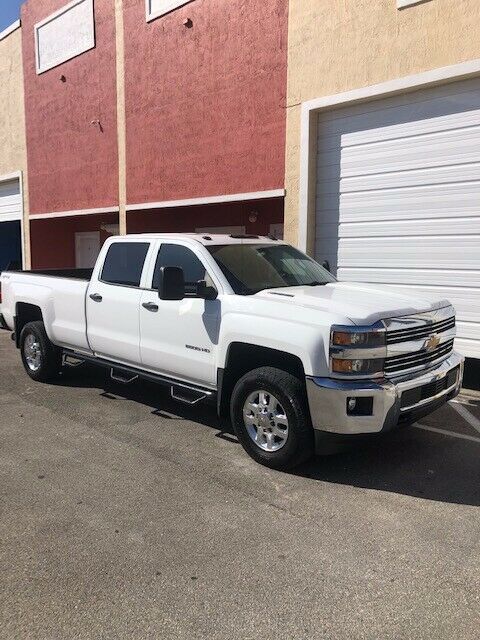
[[362, 406]]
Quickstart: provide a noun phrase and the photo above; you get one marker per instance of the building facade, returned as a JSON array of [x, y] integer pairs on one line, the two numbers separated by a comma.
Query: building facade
[[353, 124], [383, 145], [159, 117]]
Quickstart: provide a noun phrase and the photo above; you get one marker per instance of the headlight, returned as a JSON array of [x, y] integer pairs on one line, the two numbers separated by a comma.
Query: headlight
[[358, 351], [358, 338]]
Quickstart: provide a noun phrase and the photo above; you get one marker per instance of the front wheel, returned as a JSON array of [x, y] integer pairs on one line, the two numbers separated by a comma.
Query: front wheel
[[41, 359], [271, 419]]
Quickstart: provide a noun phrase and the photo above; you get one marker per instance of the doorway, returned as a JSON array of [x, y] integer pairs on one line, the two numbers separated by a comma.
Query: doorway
[[87, 248]]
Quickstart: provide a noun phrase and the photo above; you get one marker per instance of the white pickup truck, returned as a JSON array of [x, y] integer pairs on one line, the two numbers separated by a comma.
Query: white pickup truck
[[250, 322]]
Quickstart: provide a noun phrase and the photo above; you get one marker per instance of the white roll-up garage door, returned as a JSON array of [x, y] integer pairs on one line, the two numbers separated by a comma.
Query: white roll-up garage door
[[398, 196], [10, 224], [10, 201]]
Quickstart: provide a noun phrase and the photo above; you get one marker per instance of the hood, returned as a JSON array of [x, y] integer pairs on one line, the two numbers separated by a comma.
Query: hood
[[361, 303]]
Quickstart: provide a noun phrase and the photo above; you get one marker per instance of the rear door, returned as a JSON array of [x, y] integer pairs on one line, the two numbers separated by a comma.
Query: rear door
[[113, 301]]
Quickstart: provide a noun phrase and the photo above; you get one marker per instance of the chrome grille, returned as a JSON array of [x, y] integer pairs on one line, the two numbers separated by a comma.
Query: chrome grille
[[415, 333], [417, 359]]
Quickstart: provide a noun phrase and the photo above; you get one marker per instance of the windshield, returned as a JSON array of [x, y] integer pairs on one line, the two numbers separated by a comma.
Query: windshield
[[250, 268]]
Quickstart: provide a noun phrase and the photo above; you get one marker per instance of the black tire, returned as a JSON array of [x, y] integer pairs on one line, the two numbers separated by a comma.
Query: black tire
[[50, 356], [291, 395]]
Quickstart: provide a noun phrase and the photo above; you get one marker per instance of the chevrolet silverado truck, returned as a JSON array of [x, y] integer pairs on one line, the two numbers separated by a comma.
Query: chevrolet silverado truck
[[249, 322]]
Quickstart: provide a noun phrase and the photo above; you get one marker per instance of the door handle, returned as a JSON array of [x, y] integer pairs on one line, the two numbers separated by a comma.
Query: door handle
[[150, 306], [96, 297]]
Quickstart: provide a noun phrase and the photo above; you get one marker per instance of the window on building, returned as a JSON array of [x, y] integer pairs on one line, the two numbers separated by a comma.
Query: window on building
[[124, 263], [156, 8], [64, 34], [176, 255]]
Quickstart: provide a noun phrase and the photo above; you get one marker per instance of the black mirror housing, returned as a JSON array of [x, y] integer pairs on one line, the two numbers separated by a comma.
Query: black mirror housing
[[206, 292], [326, 265], [171, 283]]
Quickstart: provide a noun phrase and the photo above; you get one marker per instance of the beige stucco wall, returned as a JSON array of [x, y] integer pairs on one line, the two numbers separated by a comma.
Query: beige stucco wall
[[339, 45], [13, 155]]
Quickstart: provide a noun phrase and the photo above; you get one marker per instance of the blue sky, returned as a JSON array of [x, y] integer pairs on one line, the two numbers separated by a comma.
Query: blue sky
[[9, 12]]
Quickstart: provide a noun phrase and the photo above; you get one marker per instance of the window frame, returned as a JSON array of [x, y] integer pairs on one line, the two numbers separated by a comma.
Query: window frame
[[151, 14], [208, 268], [54, 16], [146, 264]]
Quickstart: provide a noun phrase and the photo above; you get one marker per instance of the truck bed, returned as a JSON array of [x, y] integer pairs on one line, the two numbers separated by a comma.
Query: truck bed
[[59, 293], [73, 274]]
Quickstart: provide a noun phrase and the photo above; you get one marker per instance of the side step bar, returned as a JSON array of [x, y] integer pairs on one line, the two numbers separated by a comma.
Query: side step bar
[[179, 391], [119, 377], [187, 396]]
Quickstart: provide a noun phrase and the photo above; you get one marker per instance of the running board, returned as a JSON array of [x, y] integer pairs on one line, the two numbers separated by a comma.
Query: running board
[[180, 391]]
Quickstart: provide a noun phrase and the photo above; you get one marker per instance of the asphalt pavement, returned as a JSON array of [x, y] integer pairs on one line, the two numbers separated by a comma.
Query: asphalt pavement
[[126, 515]]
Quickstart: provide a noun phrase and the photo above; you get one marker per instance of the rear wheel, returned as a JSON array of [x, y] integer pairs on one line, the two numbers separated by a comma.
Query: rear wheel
[[41, 359], [271, 419]]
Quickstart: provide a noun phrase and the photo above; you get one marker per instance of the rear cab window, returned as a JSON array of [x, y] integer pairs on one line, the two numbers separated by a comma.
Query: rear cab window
[[124, 263]]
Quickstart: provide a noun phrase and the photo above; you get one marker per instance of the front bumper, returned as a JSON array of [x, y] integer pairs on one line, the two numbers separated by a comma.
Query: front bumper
[[328, 397]]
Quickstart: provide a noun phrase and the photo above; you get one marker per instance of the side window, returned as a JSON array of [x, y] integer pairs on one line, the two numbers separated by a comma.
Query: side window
[[176, 255], [124, 263]]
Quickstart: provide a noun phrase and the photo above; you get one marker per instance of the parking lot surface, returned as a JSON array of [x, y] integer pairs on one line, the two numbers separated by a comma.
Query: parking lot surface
[[126, 515]]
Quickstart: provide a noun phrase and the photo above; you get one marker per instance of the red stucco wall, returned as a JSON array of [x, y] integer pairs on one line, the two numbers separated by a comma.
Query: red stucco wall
[[205, 106], [72, 164]]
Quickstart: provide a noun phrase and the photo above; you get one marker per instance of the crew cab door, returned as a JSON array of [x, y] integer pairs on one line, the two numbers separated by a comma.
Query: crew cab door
[[113, 302], [178, 338]]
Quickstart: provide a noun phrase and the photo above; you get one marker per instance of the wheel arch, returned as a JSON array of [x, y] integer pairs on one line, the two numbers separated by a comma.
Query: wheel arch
[[242, 357], [25, 313]]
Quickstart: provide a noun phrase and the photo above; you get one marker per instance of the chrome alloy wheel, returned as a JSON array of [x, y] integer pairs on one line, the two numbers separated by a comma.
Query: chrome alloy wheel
[[265, 420], [32, 352]]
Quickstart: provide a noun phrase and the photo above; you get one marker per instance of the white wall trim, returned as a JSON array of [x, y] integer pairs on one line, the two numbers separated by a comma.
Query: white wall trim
[[72, 214], [13, 27], [401, 4], [10, 176], [51, 18], [167, 6], [190, 202], [310, 108]]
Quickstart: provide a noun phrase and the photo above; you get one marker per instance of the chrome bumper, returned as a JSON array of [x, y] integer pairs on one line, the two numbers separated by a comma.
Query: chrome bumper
[[327, 398]]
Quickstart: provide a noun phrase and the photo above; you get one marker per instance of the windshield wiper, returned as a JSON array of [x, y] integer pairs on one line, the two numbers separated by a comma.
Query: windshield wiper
[[315, 283]]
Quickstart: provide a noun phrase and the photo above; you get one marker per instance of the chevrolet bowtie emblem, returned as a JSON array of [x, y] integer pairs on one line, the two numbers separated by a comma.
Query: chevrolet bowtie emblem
[[432, 342]]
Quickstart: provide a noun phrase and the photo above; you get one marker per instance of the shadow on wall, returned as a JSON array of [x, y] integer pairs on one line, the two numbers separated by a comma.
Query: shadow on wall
[[53, 241], [256, 216]]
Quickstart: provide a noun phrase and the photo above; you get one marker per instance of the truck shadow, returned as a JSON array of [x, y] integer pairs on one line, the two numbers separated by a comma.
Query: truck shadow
[[409, 461]]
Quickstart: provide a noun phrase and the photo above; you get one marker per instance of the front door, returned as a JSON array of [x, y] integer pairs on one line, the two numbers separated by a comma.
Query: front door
[[179, 338]]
